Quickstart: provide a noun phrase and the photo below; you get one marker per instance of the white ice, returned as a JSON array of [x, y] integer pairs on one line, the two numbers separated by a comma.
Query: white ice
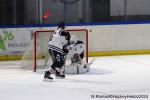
[[112, 75]]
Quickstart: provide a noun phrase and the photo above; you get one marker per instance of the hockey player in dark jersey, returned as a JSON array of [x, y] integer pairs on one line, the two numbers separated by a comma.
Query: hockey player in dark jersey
[[55, 48]]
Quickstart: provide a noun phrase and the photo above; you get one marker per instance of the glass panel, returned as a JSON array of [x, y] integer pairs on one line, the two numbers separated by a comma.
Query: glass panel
[[23, 12]]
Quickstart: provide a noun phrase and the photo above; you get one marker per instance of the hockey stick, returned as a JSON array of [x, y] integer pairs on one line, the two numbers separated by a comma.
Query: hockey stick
[[89, 64], [91, 61], [65, 56]]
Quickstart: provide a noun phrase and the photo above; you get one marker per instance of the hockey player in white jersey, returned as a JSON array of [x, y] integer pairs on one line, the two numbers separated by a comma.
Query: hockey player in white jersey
[[55, 48]]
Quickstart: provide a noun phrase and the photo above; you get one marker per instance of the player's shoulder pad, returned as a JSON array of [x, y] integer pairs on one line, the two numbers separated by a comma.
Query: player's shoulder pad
[[63, 33], [79, 42], [66, 34]]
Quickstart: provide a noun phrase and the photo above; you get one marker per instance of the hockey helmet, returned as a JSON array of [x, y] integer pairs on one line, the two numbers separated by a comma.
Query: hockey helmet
[[61, 24]]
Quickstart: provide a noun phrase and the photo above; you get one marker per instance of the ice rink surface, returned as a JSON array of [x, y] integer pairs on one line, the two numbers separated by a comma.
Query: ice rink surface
[[112, 75]]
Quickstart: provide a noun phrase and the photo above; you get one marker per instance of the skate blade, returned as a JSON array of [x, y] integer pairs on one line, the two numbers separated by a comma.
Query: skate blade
[[60, 77], [47, 80]]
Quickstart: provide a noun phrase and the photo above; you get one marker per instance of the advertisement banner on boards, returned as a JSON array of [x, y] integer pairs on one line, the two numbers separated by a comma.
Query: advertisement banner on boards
[[14, 41]]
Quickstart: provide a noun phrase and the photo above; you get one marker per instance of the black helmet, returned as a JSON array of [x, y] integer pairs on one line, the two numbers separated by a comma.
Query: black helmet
[[61, 24]]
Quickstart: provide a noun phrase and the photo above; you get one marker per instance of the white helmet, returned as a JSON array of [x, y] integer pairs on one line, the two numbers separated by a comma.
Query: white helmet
[[74, 38]]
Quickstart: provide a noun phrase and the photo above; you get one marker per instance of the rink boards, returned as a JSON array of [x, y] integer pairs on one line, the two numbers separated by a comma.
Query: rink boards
[[103, 40]]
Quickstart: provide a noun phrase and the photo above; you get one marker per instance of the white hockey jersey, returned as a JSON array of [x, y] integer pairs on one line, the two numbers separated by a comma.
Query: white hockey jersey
[[57, 41]]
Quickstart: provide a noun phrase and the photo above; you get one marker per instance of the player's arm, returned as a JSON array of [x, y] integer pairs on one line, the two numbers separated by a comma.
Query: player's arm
[[66, 40], [65, 49]]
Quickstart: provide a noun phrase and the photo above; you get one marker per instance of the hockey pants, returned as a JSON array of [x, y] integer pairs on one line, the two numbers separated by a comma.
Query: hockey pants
[[57, 58]]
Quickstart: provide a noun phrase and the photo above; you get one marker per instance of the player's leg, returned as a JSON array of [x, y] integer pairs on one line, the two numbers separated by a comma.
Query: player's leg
[[47, 75], [60, 66], [58, 62]]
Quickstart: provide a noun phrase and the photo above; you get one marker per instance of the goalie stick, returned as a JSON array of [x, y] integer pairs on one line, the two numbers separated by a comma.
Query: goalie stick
[[89, 64]]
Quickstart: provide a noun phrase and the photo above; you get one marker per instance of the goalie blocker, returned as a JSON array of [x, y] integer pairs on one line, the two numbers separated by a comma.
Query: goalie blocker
[[75, 52]]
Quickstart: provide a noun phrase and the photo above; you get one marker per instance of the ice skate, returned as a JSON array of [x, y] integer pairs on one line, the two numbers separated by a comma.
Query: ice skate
[[59, 75], [47, 76]]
